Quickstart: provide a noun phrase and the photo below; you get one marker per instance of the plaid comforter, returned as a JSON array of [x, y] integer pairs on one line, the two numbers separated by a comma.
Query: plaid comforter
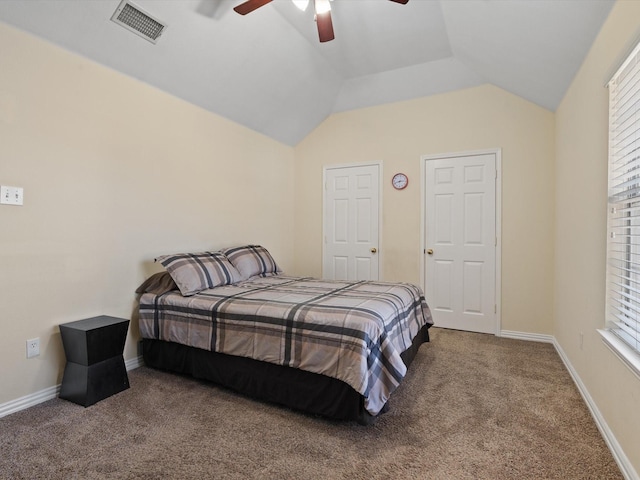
[[352, 331]]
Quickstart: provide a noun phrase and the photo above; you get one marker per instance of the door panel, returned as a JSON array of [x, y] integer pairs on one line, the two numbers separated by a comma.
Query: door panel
[[363, 268], [340, 266], [442, 286], [363, 220], [443, 221], [351, 212], [340, 220], [472, 288], [460, 200], [473, 218]]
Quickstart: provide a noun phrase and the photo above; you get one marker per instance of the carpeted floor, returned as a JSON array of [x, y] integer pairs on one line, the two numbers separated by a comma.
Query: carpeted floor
[[471, 407]]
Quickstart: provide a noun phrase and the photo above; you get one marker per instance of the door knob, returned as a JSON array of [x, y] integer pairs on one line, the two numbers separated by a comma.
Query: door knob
[[430, 252], [374, 249]]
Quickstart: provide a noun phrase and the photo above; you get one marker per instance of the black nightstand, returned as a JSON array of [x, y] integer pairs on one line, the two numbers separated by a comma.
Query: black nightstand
[[95, 367]]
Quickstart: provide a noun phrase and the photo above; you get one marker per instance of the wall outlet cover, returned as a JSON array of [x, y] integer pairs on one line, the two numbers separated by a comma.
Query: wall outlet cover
[[11, 195], [33, 347]]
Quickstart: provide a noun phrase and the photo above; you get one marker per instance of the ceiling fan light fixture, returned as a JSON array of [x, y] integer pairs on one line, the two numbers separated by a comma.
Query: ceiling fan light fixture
[[322, 6], [301, 4], [322, 13]]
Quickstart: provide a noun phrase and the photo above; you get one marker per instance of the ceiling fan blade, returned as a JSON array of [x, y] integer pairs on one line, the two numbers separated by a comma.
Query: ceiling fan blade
[[325, 26], [250, 5], [403, 2]]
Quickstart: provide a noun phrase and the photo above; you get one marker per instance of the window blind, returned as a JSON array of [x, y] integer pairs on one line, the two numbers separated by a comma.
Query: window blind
[[623, 245]]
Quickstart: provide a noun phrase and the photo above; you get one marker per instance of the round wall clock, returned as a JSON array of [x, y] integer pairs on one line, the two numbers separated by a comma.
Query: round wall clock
[[399, 181]]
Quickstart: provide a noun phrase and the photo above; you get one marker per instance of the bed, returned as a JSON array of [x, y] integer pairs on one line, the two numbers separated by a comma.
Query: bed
[[332, 348]]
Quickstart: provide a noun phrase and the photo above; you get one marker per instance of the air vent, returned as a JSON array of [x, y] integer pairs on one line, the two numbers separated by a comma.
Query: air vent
[[136, 20]]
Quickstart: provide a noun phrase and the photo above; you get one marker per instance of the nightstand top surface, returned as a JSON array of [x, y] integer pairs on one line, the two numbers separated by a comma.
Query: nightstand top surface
[[94, 322]]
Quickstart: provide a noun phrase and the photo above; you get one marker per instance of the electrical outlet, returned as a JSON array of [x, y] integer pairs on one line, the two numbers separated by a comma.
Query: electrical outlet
[[33, 347]]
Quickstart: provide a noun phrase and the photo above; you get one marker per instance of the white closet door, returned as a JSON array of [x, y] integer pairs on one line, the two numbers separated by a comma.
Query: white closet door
[[351, 212], [460, 269]]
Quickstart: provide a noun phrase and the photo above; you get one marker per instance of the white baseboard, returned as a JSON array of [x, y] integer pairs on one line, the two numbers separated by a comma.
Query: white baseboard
[[30, 400], [134, 363], [530, 337], [49, 393], [621, 459]]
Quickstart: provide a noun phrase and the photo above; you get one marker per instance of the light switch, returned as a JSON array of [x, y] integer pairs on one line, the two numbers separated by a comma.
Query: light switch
[[11, 195]]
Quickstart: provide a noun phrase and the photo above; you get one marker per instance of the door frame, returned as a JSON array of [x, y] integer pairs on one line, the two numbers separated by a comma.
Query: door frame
[[498, 215], [380, 204]]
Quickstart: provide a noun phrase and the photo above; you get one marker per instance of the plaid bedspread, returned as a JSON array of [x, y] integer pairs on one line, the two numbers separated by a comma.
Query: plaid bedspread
[[352, 331]]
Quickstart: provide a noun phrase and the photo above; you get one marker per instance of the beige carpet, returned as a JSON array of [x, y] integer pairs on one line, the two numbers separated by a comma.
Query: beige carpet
[[472, 407]]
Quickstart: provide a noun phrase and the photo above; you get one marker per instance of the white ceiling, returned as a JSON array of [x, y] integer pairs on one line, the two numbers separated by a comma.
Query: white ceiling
[[268, 71]]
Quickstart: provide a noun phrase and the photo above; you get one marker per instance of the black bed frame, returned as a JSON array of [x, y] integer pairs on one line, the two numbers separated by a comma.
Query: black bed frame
[[297, 389]]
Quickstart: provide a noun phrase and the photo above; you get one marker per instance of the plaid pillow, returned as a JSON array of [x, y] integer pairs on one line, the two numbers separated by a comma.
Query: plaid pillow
[[194, 272], [252, 260]]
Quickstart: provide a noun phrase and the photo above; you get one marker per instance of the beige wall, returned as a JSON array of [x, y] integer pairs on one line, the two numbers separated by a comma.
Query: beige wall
[[114, 173], [581, 218], [398, 135]]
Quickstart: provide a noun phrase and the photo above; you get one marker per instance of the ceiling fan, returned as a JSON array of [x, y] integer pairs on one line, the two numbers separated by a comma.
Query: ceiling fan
[[322, 13]]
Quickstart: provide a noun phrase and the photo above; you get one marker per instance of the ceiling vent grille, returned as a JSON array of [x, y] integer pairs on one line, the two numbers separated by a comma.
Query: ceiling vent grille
[[136, 20]]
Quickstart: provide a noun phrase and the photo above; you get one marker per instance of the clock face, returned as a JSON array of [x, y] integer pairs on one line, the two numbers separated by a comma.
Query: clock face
[[399, 181]]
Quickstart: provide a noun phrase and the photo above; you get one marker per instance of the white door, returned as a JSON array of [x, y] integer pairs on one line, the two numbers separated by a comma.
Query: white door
[[460, 243], [351, 206]]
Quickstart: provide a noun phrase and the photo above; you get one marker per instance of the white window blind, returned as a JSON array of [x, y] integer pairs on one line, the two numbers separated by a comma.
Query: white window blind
[[623, 245]]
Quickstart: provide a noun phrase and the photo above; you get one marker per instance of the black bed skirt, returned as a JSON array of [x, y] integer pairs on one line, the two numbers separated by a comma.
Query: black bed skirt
[[297, 389]]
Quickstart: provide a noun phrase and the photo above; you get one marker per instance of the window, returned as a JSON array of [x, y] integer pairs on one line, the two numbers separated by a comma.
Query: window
[[623, 245]]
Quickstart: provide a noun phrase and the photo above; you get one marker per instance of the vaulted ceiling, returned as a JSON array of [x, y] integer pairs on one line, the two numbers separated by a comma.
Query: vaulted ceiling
[[268, 71]]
